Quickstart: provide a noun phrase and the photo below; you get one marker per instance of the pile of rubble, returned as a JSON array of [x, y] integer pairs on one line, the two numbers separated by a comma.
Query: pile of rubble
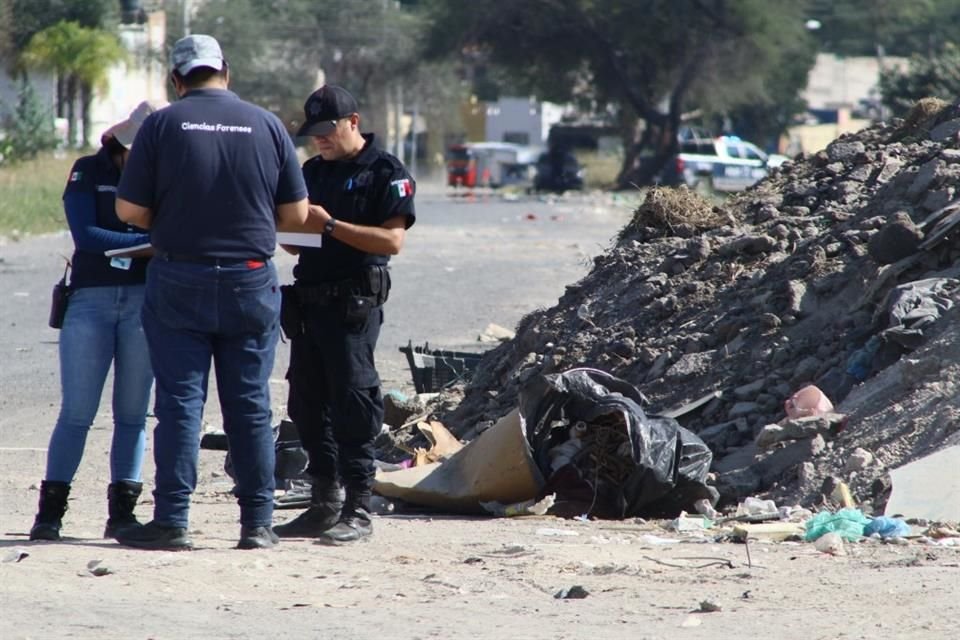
[[839, 270]]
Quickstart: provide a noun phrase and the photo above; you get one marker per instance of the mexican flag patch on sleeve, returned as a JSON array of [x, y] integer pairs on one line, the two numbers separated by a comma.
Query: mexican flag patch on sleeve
[[401, 188], [76, 176]]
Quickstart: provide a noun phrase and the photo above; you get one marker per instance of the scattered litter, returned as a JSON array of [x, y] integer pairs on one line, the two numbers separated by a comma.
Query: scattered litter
[[808, 401], [98, 569], [576, 592], [622, 462], [705, 508], [381, 506], [842, 495], [849, 523], [16, 555], [773, 531], [887, 527], [443, 444], [831, 543], [511, 551], [757, 509], [712, 562], [708, 606], [685, 523], [525, 508], [547, 531]]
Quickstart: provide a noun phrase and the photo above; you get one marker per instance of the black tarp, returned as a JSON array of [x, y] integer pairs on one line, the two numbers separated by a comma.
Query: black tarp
[[665, 467]]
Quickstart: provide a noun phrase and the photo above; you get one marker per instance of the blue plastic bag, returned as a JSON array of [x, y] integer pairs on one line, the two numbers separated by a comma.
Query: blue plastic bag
[[887, 527]]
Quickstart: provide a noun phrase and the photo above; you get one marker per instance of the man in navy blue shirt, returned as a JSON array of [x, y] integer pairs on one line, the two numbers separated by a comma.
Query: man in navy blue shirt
[[211, 177], [361, 199]]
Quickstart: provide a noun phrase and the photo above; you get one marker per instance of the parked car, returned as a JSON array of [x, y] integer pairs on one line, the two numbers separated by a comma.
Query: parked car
[[558, 171], [724, 163]]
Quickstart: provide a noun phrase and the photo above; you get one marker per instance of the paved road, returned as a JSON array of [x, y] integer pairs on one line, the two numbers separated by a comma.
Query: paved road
[[468, 262]]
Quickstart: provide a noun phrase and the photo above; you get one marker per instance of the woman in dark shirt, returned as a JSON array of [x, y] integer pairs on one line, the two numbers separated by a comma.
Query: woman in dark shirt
[[101, 327]]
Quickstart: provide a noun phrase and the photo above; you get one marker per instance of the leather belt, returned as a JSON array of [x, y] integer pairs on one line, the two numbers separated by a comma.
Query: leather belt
[[253, 263]]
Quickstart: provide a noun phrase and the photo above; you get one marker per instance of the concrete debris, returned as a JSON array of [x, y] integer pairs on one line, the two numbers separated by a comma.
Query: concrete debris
[[783, 286]]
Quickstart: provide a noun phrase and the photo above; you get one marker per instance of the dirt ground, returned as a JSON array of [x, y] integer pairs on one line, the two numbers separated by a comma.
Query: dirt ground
[[423, 576], [450, 577]]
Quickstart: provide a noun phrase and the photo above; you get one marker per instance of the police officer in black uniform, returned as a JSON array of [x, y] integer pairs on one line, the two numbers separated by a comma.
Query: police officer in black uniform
[[361, 199]]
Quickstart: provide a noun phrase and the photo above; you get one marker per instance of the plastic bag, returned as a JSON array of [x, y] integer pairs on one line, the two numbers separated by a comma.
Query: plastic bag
[[887, 527], [644, 466], [849, 523], [808, 401]]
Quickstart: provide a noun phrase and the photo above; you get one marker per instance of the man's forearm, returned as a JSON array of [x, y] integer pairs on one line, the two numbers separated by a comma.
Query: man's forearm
[[375, 240], [383, 240], [136, 215]]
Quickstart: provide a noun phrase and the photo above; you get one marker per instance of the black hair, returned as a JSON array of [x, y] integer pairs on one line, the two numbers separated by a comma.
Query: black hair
[[113, 146], [200, 76]]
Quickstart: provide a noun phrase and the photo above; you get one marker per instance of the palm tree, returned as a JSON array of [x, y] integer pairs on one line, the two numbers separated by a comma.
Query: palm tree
[[80, 57], [100, 51]]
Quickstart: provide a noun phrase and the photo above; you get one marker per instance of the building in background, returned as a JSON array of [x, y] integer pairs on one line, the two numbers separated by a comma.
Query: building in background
[[843, 96], [523, 121], [143, 76]]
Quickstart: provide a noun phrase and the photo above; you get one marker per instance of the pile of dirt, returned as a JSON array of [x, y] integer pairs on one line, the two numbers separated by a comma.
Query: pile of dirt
[[797, 281]]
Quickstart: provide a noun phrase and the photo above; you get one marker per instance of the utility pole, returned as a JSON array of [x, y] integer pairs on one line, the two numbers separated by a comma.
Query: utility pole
[[413, 138], [186, 17], [398, 121]]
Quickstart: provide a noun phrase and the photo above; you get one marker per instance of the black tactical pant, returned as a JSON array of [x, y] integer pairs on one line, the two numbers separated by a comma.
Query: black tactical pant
[[335, 397]]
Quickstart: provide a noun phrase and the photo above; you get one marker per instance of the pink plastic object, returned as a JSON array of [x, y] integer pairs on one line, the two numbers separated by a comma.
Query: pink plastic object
[[808, 401]]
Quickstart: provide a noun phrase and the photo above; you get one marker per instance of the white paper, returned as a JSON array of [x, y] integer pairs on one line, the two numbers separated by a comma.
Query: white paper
[[299, 239], [127, 250]]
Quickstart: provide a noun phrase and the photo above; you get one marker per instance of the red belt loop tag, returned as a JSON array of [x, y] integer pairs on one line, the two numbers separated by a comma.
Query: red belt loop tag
[[255, 264]]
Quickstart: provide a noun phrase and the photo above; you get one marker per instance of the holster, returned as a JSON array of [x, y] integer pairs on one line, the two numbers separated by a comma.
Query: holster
[[59, 299], [377, 283]]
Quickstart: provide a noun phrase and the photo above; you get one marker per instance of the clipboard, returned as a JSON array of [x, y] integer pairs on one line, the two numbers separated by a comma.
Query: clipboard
[[127, 250], [299, 239]]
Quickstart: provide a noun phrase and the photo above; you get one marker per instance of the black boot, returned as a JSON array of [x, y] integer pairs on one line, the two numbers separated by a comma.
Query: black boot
[[53, 504], [121, 500], [326, 501], [354, 523]]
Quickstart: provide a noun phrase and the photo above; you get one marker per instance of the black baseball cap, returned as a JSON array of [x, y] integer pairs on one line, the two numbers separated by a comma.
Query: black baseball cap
[[324, 107]]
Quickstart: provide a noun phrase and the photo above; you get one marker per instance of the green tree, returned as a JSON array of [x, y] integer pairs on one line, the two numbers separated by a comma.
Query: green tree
[[28, 17], [28, 126], [936, 76], [279, 49], [80, 58], [878, 27], [650, 61]]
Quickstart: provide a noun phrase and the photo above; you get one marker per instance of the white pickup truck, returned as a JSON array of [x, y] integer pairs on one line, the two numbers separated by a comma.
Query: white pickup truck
[[725, 163]]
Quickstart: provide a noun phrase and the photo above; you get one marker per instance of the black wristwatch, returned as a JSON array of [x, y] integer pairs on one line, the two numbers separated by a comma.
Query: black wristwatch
[[328, 227]]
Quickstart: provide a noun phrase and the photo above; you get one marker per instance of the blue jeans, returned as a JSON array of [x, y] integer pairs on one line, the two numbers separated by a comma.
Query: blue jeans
[[195, 313], [102, 327]]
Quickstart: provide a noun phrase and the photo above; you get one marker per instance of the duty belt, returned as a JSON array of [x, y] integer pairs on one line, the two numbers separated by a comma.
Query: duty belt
[[324, 292]]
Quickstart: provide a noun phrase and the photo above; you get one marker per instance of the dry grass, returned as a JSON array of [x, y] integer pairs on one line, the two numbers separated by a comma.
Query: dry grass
[[30, 195], [925, 115], [667, 208], [600, 169]]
